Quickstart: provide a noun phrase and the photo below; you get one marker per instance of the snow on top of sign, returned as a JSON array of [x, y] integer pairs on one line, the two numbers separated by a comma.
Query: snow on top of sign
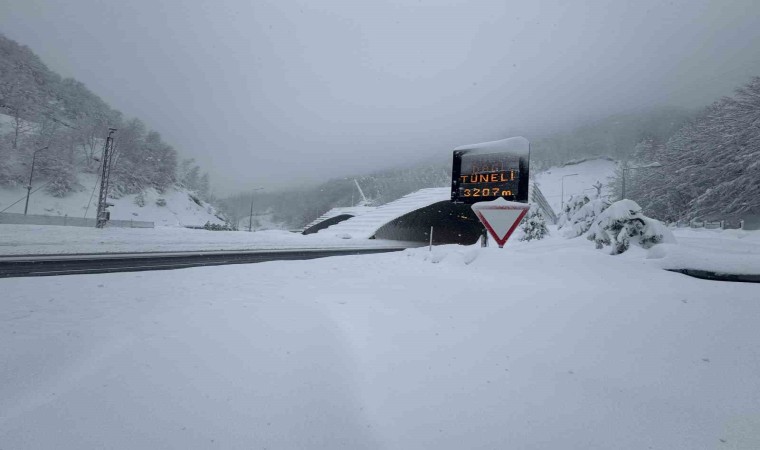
[[365, 225], [516, 144], [499, 203]]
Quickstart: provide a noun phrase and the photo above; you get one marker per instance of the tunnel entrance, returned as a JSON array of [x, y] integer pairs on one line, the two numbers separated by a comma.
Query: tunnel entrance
[[326, 223], [452, 223]]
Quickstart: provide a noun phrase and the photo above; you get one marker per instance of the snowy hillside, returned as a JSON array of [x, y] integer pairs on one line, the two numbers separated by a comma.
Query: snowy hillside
[[588, 172], [180, 208]]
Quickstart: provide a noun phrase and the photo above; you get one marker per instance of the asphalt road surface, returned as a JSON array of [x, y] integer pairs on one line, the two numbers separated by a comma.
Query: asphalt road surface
[[47, 265]]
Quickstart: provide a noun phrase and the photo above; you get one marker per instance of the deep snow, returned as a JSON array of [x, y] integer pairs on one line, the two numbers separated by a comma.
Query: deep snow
[[730, 251], [542, 345]]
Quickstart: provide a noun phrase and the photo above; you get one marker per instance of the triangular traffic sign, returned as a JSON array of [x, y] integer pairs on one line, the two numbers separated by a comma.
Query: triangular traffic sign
[[500, 217]]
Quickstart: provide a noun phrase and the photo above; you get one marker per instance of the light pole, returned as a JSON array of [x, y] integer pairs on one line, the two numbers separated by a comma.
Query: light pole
[[250, 217], [31, 174], [653, 165], [562, 201]]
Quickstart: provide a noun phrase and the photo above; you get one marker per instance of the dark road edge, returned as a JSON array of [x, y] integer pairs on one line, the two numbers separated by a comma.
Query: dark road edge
[[718, 276], [96, 264]]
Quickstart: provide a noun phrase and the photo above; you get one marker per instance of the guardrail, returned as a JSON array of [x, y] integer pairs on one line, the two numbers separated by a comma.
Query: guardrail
[[538, 198], [711, 225], [34, 219]]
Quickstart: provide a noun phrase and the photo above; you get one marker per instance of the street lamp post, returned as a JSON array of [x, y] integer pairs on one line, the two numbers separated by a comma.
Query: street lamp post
[[31, 174], [562, 201], [250, 217], [653, 165]]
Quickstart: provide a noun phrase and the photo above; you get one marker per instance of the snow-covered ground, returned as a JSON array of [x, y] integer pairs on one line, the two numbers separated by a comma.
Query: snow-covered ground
[[730, 251], [723, 251], [50, 240], [542, 345], [180, 209], [588, 173]]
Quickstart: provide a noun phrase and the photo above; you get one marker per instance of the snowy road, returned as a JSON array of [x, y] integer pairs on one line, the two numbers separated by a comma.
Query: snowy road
[[50, 265], [55, 240], [548, 345]]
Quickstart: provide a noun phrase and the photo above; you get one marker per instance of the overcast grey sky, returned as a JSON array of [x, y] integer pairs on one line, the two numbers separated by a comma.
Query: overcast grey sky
[[263, 91]]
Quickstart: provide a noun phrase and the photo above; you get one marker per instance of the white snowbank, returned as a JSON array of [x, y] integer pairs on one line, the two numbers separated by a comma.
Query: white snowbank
[[547, 344], [722, 251]]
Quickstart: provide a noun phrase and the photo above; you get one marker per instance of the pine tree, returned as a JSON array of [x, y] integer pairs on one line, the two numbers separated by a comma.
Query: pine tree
[[573, 204], [622, 224], [534, 226]]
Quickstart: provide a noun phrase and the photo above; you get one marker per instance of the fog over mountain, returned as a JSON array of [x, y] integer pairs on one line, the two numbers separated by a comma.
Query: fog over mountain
[[267, 93]]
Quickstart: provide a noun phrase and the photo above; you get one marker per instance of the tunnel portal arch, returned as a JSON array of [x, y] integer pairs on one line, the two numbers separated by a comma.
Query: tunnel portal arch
[[452, 223]]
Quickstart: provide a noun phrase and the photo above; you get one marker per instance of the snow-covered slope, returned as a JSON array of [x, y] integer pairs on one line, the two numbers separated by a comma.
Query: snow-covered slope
[[365, 225], [8, 124], [180, 209], [589, 172]]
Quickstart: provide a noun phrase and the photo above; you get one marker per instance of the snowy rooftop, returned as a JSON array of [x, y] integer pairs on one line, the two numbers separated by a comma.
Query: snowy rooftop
[[366, 225], [341, 211]]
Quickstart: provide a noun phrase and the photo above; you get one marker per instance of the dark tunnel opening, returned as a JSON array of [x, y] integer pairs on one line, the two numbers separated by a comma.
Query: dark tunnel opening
[[326, 223], [452, 223]]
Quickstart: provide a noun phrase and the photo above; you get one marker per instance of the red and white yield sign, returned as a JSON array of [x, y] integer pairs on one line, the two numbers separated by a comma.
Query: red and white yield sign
[[500, 217]]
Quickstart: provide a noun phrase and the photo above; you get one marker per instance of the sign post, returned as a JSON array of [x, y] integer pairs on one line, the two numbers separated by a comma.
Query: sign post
[[493, 177]]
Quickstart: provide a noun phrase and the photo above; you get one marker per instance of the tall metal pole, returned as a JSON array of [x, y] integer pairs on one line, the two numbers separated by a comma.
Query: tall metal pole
[[364, 197], [31, 174], [250, 216], [562, 201], [102, 215], [622, 193]]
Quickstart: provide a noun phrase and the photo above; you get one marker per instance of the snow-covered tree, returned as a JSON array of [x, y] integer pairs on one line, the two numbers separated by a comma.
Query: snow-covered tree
[[140, 199], [534, 226], [711, 166], [623, 224], [571, 206], [580, 222], [46, 110]]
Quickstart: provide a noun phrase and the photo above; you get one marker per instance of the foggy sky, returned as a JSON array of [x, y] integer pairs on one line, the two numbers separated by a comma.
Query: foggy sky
[[267, 92]]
